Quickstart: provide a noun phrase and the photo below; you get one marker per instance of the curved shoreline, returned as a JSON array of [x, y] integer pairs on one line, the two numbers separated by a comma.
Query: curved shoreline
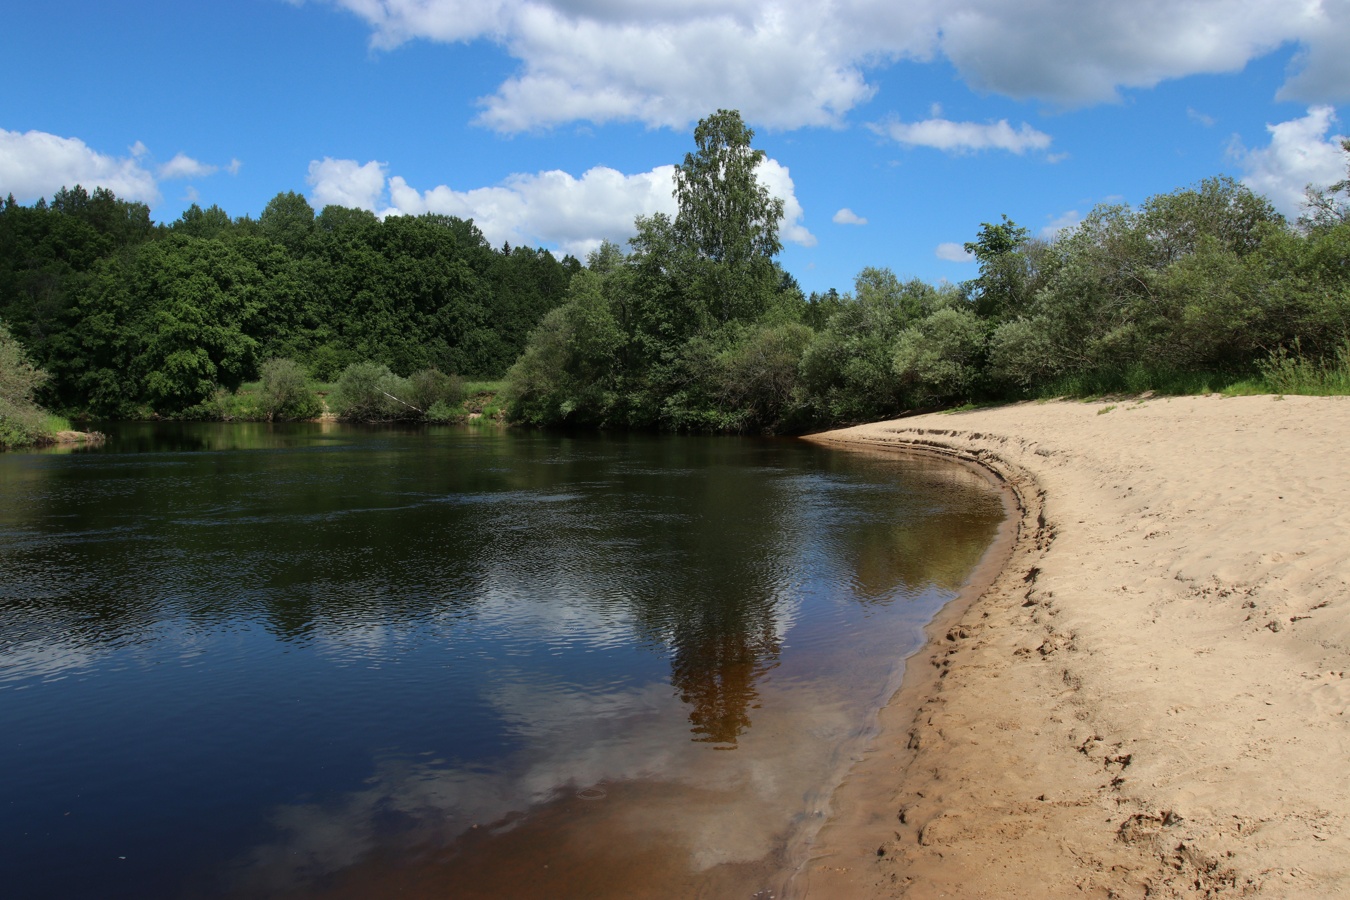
[[1133, 705]]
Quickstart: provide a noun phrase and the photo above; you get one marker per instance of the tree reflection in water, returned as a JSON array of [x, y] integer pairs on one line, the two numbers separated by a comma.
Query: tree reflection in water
[[490, 622]]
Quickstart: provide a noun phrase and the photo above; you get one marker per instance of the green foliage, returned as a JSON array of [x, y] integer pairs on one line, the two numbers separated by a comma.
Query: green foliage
[[696, 327], [1008, 269], [1293, 373], [761, 378], [369, 392], [1139, 378], [22, 421], [130, 318], [285, 391], [19, 378], [726, 214], [939, 357], [848, 370], [997, 240], [443, 413], [1021, 354], [429, 387]]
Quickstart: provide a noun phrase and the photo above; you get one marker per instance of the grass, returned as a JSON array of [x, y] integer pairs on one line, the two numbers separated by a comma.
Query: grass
[[972, 405], [1294, 373], [27, 425], [1140, 379], [1282, 372]]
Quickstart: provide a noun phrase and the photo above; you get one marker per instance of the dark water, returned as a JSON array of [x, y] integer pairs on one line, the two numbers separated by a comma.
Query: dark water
[[317, 661]]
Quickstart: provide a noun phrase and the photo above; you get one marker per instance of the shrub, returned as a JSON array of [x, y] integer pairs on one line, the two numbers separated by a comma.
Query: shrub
[[1021, 354], [369, 392], [939, 358], [285, 392], [1294, 373], [443, 413], [760, 376], [431, 387], [22, 422]]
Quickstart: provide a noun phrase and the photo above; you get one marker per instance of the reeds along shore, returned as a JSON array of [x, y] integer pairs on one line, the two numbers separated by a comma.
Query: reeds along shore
[[1150, 699]]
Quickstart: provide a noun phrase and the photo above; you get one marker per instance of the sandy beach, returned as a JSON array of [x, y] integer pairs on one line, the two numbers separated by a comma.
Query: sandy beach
[[1147, 695]]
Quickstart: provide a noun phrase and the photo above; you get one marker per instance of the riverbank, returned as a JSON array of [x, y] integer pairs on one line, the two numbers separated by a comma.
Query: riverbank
[[1150, 698]]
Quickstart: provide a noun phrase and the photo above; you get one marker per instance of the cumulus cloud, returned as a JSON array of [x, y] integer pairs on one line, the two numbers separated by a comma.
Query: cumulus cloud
[[1300, 153], [964, 137], [789, 65], [847, 216], [553, 208], [775, 176], [184, 166], [344, 182], [35, 164], [953, 252]]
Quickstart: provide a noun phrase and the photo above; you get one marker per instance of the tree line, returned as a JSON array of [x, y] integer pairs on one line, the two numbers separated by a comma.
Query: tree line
[[129, 318], [1204, 288], [694, 326]]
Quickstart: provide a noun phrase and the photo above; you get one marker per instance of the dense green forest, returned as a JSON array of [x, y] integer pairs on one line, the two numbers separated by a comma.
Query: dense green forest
[[129, 318], [693, 326]]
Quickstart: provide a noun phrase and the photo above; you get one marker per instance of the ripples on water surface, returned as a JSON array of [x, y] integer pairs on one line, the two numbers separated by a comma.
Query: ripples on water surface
[[318, 661]]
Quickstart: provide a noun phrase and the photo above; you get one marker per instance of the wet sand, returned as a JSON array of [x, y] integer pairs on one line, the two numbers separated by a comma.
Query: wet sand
[[1149, 698]]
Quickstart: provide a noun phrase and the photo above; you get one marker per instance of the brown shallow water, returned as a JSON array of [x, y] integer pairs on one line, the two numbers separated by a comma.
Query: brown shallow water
[[321, 662]]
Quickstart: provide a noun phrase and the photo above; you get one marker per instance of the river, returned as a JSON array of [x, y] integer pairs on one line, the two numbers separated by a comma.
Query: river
[[327, 661]]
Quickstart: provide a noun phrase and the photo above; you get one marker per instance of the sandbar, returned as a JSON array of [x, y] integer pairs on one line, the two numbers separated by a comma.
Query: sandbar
[[1147, 696]]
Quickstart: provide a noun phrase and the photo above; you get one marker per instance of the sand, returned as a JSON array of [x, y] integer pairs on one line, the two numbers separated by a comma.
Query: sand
[[1150, 698]]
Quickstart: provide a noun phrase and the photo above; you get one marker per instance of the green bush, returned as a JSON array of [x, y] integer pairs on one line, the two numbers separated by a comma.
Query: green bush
[[761, 381], [443, 413], [22, 421], [1021, 354], [939, 358], [224, 406], [430, 387], [285, 392], [1294, 373], [368, 392]]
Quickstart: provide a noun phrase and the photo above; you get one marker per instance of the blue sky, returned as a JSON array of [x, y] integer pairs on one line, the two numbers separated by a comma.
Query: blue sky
[[893, 128]]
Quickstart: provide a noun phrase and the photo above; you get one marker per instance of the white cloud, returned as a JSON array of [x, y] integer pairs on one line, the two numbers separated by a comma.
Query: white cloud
[[1062, 222], [774, 176], [791, 63], [234, 167], [555, 208], [1201, 118], [1076, 52], [847, 216], [342, 182], [1299, 154], [953, 252], [35, 164], [964, 137], [184, 166], [552, 208]]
